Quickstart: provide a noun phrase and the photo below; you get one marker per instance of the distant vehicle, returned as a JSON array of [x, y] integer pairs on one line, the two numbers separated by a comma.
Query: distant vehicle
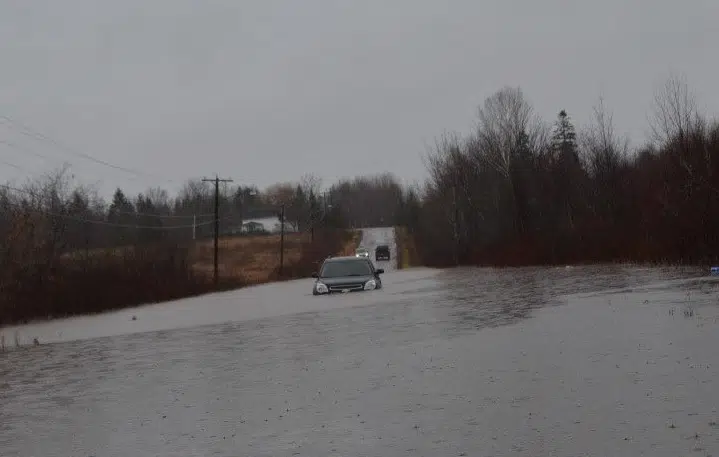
[[346, 274], [361, 252], [381, 252]]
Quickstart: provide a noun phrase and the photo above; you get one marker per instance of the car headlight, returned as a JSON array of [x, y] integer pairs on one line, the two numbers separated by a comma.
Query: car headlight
[[370, 285], [321, 288]]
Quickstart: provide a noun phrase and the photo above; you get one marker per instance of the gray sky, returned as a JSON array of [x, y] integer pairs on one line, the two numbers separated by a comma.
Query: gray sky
[[267, 90]]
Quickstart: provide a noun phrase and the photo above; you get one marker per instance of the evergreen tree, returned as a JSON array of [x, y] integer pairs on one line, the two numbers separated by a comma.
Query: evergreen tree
[[313, 207], [564, 139], [148, 216], [122, 211], [297, 213], [569, 177]]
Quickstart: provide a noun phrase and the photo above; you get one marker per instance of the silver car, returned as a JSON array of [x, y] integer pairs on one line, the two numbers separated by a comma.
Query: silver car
[[361, 252]]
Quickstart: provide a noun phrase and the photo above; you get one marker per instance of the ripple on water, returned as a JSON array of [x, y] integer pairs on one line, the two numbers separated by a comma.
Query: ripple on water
[[417, 371]]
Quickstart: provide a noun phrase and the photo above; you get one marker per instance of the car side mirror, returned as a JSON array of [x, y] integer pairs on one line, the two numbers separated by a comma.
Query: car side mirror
[[314, 275], [379, 271]]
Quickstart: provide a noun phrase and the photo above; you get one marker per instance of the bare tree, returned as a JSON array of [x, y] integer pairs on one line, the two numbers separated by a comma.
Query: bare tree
[[508, 138], [311, 184], [280, 194], [506, 122], [603, 149], [674, 115]]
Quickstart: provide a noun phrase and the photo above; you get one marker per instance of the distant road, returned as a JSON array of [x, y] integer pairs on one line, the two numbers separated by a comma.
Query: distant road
[[372, 237]]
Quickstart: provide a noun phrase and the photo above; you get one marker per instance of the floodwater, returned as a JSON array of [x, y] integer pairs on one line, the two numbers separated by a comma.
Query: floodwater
[[594, 361]]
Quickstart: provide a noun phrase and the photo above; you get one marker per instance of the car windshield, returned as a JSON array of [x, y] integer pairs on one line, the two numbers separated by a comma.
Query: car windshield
[[340, 268], [361, 250]]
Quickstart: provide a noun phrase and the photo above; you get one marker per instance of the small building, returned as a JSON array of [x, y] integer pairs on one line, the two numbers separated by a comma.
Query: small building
[[253, 227]]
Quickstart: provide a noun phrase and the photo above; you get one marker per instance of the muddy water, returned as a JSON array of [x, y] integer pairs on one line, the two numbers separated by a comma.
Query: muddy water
[[477, 362]]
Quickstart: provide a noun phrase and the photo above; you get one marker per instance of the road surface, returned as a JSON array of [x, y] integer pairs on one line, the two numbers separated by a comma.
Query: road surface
[[592, 361], [372, 237]]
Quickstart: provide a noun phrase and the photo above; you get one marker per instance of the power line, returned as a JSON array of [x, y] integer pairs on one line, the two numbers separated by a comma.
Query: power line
[[105, 223], [28, 131], [135, 213], [29, 151], [32, 133], [12, 165], [113, 224], [166, 216]]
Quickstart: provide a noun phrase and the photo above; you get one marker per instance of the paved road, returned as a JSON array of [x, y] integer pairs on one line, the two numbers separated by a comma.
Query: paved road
[[561, 361], [372, 237]]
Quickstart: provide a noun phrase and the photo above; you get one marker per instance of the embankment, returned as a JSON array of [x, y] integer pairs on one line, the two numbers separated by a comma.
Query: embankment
[[407, 253]]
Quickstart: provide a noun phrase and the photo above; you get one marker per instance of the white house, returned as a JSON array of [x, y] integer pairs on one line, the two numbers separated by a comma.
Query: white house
[[269, 224]]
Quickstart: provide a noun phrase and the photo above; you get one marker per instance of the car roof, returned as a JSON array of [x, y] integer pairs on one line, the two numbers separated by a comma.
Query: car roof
[[382, 246], [361, 249], [345, 257]]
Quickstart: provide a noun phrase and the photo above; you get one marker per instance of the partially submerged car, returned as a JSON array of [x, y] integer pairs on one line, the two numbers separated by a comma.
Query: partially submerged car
[[361, 252], [381, 252], [346, 274]]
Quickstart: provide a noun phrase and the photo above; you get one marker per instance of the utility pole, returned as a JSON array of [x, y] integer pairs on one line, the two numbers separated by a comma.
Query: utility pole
[[217, 182], [282, 239], [456, 224], [312, 225]]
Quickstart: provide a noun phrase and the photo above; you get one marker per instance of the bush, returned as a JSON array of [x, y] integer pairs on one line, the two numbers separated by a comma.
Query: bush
[[101, 281]]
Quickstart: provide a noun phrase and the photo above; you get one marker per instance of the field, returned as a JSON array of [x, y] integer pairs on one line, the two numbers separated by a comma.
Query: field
[[255, 259], [249, 259], [252, 258], [96, 280]]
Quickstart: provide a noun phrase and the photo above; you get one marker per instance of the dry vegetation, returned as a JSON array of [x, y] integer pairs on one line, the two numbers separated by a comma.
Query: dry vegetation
[[250, 259], [327, 242], [407, 253], [64, 252]]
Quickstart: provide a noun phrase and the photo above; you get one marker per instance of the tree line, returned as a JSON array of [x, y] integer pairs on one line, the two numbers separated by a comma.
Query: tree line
[[65, 250], [518, 190], [71, 216]]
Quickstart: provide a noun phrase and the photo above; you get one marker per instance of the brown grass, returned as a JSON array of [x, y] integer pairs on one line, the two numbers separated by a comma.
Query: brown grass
[[253, 259], [85, 282], [350, 245], [407, 254], [327, 242]]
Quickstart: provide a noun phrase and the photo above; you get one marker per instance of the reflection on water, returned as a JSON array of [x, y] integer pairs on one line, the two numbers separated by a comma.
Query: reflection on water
[[474, 298], [302, 384]]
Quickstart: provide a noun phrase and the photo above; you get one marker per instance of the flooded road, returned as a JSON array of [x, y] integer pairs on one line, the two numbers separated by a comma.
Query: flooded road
[[373, 237], [476, 362]]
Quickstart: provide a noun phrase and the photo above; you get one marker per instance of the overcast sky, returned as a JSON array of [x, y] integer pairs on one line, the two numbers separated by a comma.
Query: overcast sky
[[266, 90]]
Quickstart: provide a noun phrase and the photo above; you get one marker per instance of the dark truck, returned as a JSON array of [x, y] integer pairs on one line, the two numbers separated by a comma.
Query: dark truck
[[381, 252]]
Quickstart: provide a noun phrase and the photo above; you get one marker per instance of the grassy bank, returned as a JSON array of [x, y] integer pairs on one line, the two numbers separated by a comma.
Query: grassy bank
[[93, 281], [98, 281], [407, 254], [248, 259]]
